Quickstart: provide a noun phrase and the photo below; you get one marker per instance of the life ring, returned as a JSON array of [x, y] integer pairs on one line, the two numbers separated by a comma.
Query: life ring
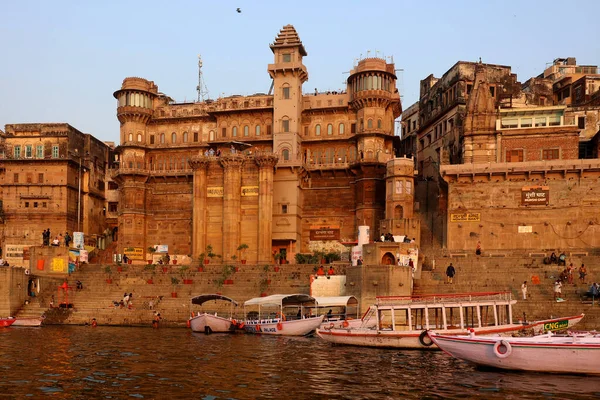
[[345, 324], [279, 326], [189, 323], [241, 325], [502, 349], [331, 325], [233, 321], [424, 339], [281, 315], [27, 272], [257, 328]]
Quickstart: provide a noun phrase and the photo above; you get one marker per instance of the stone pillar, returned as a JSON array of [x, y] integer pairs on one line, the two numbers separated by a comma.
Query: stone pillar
[[266, 163], [232, 188], [199, 165]]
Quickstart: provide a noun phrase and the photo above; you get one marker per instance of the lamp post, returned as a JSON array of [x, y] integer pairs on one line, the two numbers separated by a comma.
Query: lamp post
[[79, 193]]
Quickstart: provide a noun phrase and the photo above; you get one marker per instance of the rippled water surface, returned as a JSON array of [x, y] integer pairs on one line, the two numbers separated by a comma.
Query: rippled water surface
[[117, 363]]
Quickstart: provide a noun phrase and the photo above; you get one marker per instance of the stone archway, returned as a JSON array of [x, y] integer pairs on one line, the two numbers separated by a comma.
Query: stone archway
[[388, 259], [398, 212]]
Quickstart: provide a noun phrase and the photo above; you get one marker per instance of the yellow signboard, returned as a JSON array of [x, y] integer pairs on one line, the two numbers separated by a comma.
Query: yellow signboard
[[134, 253], [58, 265], [249, 190], [214, 191], [465, 217]]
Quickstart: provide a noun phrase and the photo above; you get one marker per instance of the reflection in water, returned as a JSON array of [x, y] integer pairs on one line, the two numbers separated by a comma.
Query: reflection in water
[[103, 362]]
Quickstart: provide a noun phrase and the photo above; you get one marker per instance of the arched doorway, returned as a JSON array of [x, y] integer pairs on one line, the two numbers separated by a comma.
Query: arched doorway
[[388, 259]]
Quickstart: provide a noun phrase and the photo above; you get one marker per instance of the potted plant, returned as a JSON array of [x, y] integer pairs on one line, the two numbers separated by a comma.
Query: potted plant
[[242, 249], [276, 268], [131, 250], [202, 259], [183, 270], [277, 257], [151, 250], [174, 282], [174, 260], [108, 271], [210, 253], [152, 269], [235, 267]]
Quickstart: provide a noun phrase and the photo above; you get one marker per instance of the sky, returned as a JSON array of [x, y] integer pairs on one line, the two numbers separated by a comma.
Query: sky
[[62, 60]]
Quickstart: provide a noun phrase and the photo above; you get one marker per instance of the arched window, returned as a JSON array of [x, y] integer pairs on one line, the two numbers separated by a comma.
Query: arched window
[[285, 154], [185, 137], [173, 137], [130, 137], [341, 129], [234, 131], [211, 135], [257, 130], [162, 138], [139, 137], [362, 125], [318, 130], [370, 124], [329, 129], [246, 130], [379, 124]]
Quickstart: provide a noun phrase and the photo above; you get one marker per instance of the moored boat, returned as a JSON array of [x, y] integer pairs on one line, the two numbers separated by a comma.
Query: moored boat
[[281, 314], [403, 322], [567, 354], [211, 322], [6, 322], [29, 322], [338, 311]]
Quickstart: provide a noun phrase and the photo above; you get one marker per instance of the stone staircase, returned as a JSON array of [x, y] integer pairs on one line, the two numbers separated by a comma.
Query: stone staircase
[[491, 274]]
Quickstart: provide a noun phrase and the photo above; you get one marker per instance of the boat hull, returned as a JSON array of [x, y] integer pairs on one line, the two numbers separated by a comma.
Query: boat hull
[[418, 339], [216, 324], [566, 355], [296, 327], [29, 322], [6, 322]]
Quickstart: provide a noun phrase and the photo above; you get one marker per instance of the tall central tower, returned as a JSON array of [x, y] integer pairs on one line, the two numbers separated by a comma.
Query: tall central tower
[[288, 74]]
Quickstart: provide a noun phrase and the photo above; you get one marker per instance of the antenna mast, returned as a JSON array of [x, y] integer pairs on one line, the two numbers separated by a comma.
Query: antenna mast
[[201, 88]]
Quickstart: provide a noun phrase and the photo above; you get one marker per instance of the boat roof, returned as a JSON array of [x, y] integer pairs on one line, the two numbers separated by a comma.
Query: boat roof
[[474, 297], [335, 301], [203, 298], [281, 300]]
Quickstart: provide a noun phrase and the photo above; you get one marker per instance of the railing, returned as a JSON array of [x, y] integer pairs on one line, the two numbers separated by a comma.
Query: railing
[[445, 298]]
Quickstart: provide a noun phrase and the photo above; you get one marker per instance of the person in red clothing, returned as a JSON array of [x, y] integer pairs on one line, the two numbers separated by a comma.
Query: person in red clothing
[[331, 271], [321, 271]]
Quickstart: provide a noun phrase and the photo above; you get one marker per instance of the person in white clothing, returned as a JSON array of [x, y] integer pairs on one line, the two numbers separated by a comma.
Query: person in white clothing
[[524, 290], [557, 290]]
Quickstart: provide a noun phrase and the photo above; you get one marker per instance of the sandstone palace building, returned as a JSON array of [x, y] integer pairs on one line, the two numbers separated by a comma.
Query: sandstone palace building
[[273, 171]]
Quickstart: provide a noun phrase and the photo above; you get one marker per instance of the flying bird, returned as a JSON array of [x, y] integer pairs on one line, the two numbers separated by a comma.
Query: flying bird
[[239, 10]]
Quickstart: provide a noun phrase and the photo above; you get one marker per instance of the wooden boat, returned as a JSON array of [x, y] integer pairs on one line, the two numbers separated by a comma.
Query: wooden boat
[[6, 322], [211, 322], [403, 322], [339, 312], [29, 322], [570, 354], [281, 314]]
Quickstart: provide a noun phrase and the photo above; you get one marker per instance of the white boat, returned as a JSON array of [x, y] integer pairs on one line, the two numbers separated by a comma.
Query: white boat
[[338, 311], [31, 322], [403, 322], [281, 314], [211, 322], [571, 354]]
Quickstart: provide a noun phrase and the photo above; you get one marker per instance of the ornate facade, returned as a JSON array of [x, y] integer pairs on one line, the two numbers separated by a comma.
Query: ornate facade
[[273, 171]]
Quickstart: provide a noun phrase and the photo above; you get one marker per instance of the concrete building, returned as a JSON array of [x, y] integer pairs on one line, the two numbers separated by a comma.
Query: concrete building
[[279, 172], [51, 176]]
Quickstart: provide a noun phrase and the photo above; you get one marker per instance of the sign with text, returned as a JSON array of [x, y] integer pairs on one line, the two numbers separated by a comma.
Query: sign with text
[[535, 195], [465, 217], [78, 240], [15, 254], [162, 248], [249, 190], [214, 191], [325, 234], [135, 253]]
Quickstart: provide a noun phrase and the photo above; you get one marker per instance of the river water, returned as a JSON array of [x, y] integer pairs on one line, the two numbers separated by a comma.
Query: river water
[[78, 362]]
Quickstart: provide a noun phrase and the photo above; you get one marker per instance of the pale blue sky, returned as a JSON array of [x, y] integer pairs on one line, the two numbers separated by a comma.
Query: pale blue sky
[[62, 60]]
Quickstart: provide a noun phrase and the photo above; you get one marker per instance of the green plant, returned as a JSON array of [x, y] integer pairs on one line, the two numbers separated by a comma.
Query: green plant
[[242, 249], [151, 250], [234, 257], [201, 258], [174, 281], [306, 258], [266, 268], [332, 256], [184, 269], [108, 270], [210, 253]]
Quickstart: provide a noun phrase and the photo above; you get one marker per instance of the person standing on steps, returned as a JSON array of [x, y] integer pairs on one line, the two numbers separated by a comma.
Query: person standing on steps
[[524, 290], [450, 272], [582, 273], [478, 249], [557, 290]]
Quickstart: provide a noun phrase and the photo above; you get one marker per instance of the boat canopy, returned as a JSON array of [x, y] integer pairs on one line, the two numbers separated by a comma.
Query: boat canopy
[[336, 301], [281, 300], [203, 298]]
